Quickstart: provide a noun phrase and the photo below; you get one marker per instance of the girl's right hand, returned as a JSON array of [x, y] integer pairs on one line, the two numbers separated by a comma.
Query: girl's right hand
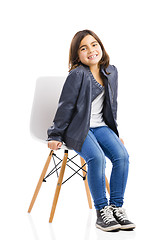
[[54, 145]]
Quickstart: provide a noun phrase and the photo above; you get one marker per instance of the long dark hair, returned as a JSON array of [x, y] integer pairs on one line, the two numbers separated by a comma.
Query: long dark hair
[[75, 43]]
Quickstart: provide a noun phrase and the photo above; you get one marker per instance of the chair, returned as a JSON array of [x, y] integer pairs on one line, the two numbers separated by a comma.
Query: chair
[[47, 93]]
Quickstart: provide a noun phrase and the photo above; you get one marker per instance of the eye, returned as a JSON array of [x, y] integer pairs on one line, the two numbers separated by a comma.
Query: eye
[[83, 49], [95, 44]]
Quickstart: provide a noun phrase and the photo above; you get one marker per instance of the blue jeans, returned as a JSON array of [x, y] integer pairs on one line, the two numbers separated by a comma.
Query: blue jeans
[[102, 142]]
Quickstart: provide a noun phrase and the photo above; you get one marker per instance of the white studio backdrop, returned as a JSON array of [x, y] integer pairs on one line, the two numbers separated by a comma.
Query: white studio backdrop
[[34, 42]]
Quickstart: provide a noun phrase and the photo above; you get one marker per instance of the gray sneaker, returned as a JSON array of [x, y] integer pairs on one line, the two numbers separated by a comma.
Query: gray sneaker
[[106, 221], [121, 217]]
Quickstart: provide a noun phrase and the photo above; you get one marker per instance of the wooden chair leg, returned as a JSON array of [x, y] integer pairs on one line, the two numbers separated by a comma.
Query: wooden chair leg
[[86, 184], [40, 181], [59, 183], [107, 185]]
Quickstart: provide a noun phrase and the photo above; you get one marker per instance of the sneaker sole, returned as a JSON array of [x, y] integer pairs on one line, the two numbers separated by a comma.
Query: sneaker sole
[[128, 227], [110, 229]]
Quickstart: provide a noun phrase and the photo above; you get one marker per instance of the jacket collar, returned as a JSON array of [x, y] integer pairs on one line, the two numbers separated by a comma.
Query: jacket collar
[[104, 72], [102, 69], [107, 76]]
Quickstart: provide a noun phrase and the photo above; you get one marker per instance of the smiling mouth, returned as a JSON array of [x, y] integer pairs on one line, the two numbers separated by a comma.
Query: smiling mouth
[[93, 56]]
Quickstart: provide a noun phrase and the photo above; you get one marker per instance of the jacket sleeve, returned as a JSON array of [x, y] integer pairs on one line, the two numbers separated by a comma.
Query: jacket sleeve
[[115, 104], [66, 106]]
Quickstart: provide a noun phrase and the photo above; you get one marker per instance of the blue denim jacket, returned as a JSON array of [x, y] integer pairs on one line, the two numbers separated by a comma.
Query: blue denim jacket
[[72, 119]]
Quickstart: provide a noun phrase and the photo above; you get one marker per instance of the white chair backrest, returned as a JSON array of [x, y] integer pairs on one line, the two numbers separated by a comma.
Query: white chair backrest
[[46, 97]]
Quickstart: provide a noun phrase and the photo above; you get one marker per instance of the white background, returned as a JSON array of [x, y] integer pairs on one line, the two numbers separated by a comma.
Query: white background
[[34, 41]]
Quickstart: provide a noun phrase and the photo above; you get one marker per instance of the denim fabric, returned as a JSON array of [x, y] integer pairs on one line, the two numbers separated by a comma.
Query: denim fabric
[[102, 142]]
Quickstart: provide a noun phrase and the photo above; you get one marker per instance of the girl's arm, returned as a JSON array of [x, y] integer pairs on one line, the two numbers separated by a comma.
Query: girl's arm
[[114, 105], [115, 101], [66, 106]]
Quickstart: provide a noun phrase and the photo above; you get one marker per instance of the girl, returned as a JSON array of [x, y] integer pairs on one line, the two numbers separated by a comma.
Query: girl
[[86, 121]]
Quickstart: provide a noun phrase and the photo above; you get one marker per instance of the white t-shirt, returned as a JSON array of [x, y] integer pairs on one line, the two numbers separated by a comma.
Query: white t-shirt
[[96, 119]]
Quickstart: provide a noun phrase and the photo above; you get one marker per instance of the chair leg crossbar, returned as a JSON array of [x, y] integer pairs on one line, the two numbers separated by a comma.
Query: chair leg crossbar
[[64, 162], [56, 168]]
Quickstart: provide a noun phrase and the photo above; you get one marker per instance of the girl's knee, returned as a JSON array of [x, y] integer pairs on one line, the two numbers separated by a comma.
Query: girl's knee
[[124, 158], [121, 157], [97, 158]]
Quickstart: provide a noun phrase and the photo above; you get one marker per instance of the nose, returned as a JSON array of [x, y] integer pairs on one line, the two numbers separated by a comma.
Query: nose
[[90, 49]]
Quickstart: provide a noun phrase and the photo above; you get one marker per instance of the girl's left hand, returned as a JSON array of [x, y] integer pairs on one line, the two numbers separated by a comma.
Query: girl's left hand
[[122, 140]]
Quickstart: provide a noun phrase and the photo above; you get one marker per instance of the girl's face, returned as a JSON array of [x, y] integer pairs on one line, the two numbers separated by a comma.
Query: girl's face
[[90, 52]]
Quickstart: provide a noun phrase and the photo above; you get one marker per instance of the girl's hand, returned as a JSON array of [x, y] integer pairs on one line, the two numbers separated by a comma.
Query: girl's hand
[[122, 140], [54, 145]]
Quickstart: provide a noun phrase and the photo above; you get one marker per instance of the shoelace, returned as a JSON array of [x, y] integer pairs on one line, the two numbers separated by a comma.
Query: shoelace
[[107, 214], [120, 213]]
